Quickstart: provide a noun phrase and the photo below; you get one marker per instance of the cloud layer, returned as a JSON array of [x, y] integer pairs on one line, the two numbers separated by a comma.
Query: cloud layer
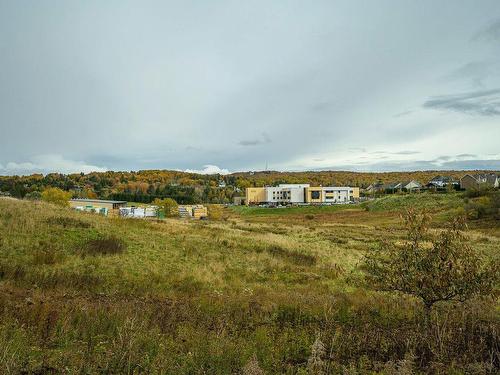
[[48, 163], [130, 85], [482, 103]]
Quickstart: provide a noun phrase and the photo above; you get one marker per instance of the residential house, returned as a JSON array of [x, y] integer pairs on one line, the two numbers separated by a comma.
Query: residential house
[[374, 188], [442, 182], [477, 181], [411, 185], [392, 187]]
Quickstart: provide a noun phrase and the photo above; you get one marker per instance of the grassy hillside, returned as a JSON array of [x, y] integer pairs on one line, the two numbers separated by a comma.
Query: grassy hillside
[[429, 201], [81, 293]]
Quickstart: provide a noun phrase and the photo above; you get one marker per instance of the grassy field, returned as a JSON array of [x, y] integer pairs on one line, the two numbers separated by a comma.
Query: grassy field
[[80, 293]]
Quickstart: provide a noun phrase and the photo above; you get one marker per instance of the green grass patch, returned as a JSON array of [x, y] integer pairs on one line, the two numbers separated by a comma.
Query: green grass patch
[[291, 210], [430, 201]]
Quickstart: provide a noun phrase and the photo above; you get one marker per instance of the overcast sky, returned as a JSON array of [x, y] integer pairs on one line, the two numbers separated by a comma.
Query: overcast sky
[[235, 85]]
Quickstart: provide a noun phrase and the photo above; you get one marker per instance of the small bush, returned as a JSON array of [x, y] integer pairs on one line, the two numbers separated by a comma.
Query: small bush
[[47, 255], [486, 205], [479, 192], [309, 217], [46, 252], [215, 212], [338, 240], [104, 246], [68, 222], [292, 256]]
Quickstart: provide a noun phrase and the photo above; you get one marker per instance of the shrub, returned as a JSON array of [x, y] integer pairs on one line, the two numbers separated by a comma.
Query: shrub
[[484, 206], [215, 212], [252, 367], [292, 255], [168, 205], [479, 192], [33, 196], [104, 246], [46, 253], [68, 222], [56, 196], [338, 240], [448, 270]]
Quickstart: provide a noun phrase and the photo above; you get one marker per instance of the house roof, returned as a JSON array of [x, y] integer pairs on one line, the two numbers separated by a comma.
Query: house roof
[[405, 183], [392, 185], [85, 200], [490, 178], [442, 179]]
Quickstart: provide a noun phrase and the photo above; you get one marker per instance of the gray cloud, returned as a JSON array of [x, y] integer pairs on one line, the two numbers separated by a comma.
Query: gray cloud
[[479, 72], [491, 32], [255, 142], [482, 103], [407, 152], [403, 152], [418, 165], [402, 114], [47, 164], [179, 85]]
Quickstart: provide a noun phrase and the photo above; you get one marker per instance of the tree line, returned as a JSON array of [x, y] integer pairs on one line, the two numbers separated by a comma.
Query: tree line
[[190, 188]]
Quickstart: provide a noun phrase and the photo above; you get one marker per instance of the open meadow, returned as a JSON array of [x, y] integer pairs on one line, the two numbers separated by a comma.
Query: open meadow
[[272, 290]]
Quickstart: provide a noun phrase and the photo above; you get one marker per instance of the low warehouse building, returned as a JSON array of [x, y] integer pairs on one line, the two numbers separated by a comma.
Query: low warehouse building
[[97, 205]]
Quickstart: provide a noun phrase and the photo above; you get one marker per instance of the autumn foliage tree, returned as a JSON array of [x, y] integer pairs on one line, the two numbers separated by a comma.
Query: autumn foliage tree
[[56, 196], [168, 205], [215, 212], [433, 268]]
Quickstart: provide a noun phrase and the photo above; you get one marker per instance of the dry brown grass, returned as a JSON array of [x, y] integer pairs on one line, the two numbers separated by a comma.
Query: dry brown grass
[[205, 297]]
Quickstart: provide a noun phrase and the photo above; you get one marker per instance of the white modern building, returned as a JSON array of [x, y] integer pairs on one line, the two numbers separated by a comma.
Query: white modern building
[[302, 193], [286, 193]]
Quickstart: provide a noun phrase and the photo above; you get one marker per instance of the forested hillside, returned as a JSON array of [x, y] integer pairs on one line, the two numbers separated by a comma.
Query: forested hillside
[[145, 186]]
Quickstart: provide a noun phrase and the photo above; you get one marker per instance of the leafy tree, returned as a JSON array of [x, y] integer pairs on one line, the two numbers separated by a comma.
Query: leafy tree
[[33, 196], [56, 196], [168, 205], [90, 194], [435, 268]]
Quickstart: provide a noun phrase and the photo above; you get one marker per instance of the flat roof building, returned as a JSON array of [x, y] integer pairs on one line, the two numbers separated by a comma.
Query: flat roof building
[[301, 193], [97, 203]]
